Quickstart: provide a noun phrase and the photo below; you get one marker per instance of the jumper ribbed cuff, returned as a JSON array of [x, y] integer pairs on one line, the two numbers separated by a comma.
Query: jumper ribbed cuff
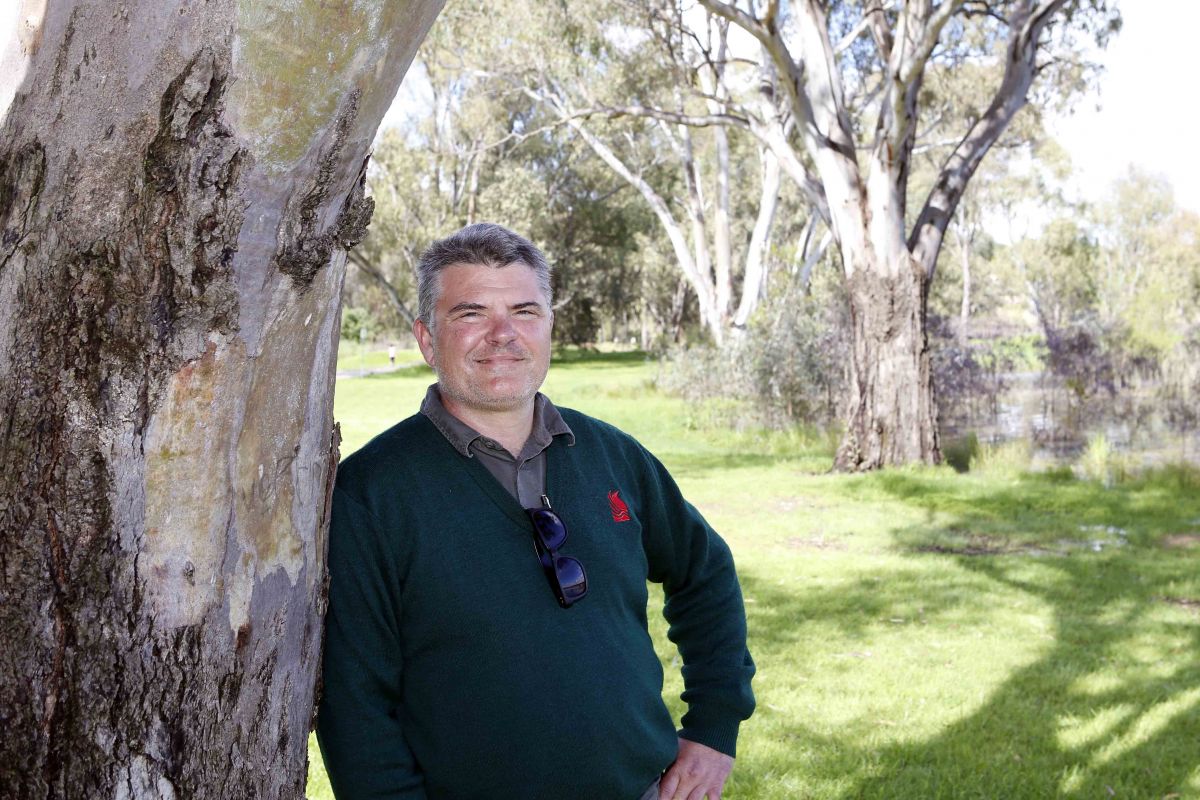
[[721, 737]]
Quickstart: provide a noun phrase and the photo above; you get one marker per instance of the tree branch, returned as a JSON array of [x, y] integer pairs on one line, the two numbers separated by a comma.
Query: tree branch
[[1026, 25], [880, 32], [677, 117], [658, 205], [372, 271], [929, 38]]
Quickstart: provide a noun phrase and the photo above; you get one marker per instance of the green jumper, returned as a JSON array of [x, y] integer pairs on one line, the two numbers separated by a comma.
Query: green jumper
[[450, 671]]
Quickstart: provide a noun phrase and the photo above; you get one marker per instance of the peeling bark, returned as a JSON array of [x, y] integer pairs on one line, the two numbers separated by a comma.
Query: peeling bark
[[892, 414], [169, 319]]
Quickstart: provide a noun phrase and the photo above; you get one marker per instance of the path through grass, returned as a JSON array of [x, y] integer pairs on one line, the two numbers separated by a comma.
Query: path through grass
[[919, 633]]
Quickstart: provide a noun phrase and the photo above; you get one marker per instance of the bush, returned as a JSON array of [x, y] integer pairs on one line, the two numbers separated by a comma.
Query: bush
[[1010, 458], [1100, 462], [355, 321], [790, 367], [1179, 390], [960, 451], [970, 378]]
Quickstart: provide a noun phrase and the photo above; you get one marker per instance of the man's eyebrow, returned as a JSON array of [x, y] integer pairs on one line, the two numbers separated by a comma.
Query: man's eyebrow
[[466, 307], [526, 304]]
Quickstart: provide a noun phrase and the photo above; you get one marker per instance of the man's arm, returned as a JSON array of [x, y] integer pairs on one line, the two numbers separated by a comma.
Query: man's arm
[[359, 721], [705, 615]]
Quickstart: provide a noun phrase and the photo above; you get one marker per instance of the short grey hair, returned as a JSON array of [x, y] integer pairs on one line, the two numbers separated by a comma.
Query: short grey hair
[[483, 244]]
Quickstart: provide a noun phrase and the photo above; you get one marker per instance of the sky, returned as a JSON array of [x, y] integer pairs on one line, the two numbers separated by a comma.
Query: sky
[[1147, 111]]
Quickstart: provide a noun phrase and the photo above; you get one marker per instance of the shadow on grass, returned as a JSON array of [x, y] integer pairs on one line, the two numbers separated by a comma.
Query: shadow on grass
[[1095, 717], [1042, 507], [778, 615], [1110, 708]]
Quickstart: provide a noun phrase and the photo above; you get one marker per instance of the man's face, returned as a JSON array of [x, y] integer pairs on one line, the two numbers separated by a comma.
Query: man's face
[[490, 342]]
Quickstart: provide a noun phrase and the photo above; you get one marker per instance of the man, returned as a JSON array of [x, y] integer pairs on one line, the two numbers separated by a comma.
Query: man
[[486, 634]]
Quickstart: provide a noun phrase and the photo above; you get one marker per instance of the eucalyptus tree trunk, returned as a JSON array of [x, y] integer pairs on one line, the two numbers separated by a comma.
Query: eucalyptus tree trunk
[[179, 183], [892, 415]]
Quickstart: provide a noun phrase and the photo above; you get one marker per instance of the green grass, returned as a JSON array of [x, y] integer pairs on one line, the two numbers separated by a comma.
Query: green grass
[[921, 633]]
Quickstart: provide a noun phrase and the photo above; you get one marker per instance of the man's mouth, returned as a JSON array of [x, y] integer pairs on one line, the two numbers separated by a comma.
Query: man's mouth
[[501, 358]]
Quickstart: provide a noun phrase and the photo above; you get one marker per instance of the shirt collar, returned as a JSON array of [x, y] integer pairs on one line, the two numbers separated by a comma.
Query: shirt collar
[[547, 423]]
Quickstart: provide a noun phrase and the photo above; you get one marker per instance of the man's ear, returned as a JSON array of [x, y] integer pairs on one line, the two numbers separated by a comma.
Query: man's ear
[[424, 338]]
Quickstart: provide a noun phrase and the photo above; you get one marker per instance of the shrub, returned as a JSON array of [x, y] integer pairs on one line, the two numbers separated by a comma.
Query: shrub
[[1009, 458], [960, 451], [971, 377], [1100, 462], [791, 367], [1179, 390], [355, 321]]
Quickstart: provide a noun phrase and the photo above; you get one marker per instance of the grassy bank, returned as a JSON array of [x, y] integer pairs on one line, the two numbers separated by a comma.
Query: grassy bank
[[921, 633]]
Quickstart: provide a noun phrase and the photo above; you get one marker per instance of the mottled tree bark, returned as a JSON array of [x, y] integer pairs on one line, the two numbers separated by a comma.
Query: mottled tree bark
[[892, 417], [179, 183]]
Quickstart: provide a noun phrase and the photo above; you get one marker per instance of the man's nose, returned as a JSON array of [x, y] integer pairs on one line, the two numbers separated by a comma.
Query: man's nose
[[501, 330]]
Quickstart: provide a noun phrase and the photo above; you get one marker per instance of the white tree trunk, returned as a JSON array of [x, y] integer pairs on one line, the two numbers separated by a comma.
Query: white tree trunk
[[179, 183], [964, 311], [755, 275]]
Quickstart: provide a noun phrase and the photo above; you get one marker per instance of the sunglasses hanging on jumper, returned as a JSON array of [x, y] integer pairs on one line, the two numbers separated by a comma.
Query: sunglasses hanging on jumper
[[565, 574]]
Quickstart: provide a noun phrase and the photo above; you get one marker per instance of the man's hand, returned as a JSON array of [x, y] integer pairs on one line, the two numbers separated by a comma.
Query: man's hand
[[698, 772]]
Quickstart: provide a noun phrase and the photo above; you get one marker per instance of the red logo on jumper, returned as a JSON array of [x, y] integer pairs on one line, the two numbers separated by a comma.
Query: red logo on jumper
[[620, 511]]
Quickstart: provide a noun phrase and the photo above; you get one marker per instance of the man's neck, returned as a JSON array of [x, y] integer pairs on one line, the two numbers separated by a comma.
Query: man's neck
[[510, 427]]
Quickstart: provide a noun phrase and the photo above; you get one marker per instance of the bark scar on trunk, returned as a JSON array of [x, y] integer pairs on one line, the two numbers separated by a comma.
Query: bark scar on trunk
[[335, 455], [189, 102], [22, 178], [310, 249]]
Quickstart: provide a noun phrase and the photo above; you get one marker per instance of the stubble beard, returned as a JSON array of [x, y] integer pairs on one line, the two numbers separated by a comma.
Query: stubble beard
[[470, 394]]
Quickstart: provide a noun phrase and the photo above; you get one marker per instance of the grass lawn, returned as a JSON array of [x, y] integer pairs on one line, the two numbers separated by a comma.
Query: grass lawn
[[920, 633], [357, 358]]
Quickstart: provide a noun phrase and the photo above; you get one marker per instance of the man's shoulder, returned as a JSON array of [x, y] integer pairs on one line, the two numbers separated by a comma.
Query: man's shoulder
[[578, 422], [591, 432], [388, 452]]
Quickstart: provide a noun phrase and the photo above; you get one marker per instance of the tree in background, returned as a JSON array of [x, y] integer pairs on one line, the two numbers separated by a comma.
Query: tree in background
[[179, 185], [595, 177], [670, 102], [425, 177], [853, 75], [486, 151]]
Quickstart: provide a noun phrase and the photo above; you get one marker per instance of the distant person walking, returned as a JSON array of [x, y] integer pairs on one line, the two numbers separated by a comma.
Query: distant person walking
[[392, 354]]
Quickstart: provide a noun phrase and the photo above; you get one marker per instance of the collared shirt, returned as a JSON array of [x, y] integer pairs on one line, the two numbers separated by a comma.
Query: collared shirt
[[522, 476]]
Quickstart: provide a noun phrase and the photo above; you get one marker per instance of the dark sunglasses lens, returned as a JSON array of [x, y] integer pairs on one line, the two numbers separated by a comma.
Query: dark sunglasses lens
[[550, 529], [571, 577]]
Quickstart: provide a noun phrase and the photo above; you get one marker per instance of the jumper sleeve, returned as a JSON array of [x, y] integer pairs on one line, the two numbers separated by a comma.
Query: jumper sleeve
[[359, 721], [704, 611]]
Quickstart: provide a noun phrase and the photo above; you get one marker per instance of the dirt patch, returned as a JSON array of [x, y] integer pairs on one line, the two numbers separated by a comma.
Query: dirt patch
[[976, 545], [981, 544], [1182, 541], [1182, 602]]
